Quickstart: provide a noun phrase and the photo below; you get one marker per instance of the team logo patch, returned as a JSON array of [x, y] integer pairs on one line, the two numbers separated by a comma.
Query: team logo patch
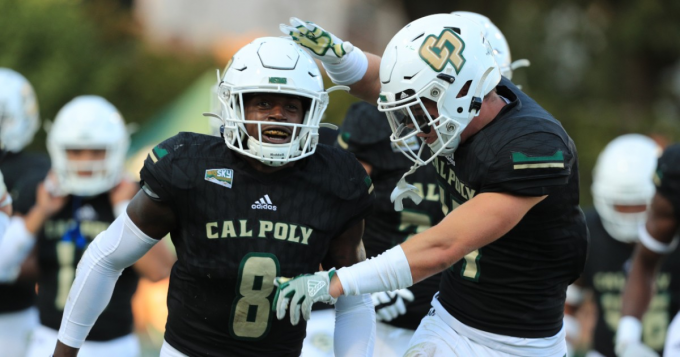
[[437, 51], [522, 161], [222, 177]]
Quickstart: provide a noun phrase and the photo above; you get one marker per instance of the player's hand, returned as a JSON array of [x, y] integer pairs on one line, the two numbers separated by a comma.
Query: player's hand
[[302, 292], [635, 349], [321, 44], [49, 198], [390, 304], [124, 191], [404, 190]]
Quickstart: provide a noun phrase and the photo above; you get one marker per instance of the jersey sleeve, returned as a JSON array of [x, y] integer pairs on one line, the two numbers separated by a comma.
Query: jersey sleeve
[[158, 172], [667, 178], [535, 164]]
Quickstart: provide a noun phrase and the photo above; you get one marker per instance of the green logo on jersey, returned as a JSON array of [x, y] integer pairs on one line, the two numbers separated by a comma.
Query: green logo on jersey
[[523, 161], [222, 177], [157, 153]]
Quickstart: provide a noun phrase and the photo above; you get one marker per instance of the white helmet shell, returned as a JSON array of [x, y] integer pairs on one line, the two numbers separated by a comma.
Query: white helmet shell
[[88, 122], [18, 111], [434, 57], [501, 50], [623, 176], [279, 66]]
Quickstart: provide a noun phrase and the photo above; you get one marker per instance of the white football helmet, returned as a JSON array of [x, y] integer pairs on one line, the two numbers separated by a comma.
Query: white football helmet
[[501, 50], [434, 57], [278, 66], [623, 176], [18, 111], [88, 122]]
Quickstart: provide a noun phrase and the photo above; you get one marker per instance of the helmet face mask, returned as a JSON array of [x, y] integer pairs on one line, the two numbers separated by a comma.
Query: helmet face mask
[[275, 67], [623, 186], [443, 58], [87, 144]]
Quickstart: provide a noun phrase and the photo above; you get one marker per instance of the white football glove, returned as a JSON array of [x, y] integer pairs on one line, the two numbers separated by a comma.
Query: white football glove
[[390, 304], [302, 292], [635, 349], [321, 44], [5, 198]]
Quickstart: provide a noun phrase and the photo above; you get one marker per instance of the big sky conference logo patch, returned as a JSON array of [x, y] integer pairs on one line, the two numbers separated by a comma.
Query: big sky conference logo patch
[[222, 177]]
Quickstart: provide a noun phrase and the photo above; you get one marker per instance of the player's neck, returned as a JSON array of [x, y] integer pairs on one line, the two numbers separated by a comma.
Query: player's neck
[[491, 106]]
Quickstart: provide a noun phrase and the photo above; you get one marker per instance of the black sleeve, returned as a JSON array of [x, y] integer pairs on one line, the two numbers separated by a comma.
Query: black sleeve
[[535, 164], [157, 172], [667, 178]]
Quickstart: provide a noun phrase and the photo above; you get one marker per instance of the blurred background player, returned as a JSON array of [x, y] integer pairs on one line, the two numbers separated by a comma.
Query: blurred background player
[[23, 171], [622, 189], [263, 200], [83, 194], [659, 238]]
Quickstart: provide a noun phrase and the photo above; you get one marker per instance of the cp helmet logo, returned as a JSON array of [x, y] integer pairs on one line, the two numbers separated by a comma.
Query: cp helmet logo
[[448, 47]]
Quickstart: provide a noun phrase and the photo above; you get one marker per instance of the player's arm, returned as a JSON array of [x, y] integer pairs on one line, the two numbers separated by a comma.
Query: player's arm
[[573, 302], [354, 315], [20, 235], [656, 240], [476, 223], [344, 63], [128, 238]]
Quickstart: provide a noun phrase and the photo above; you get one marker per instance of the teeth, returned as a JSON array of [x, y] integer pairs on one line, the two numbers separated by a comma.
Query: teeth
[[276, 133]]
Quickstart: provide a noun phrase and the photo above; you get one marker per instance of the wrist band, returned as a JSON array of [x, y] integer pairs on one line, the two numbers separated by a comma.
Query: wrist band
[[350, 70], [654, 245]]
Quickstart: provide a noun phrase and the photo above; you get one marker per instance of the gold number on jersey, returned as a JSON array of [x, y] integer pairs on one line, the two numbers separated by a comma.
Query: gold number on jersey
[[470, 269], [66, 254], [251, 309], [437, 51], [414, 222]]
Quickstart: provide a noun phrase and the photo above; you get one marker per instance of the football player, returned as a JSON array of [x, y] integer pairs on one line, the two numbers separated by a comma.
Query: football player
[[622, 189], [658, 238], [80, 198], [515, 237], [270, 202], [23, 171]]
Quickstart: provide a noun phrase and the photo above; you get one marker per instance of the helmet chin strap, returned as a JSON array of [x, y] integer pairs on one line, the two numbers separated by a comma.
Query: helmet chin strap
[[406, 190]]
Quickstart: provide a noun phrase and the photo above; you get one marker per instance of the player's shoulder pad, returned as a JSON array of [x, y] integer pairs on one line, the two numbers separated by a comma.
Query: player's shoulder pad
[[363, 125], [186, 145], [340, 172]]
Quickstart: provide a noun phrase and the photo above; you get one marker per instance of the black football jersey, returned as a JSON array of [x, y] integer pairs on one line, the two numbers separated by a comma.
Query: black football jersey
[[366, 133], [23, 172], [60, 248], [667, 178], [516, 285], [605, 273], [237, 229]]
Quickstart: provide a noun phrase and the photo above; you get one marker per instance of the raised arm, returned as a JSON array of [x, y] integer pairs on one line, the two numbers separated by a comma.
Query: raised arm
[[128, 238], [344, 63]]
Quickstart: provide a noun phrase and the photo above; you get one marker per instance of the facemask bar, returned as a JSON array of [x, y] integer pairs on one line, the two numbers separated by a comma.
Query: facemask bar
[[405, 129], [302, 143]]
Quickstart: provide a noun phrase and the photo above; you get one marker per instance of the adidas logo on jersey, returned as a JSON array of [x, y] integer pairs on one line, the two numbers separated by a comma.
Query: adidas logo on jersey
[[264, 203]]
